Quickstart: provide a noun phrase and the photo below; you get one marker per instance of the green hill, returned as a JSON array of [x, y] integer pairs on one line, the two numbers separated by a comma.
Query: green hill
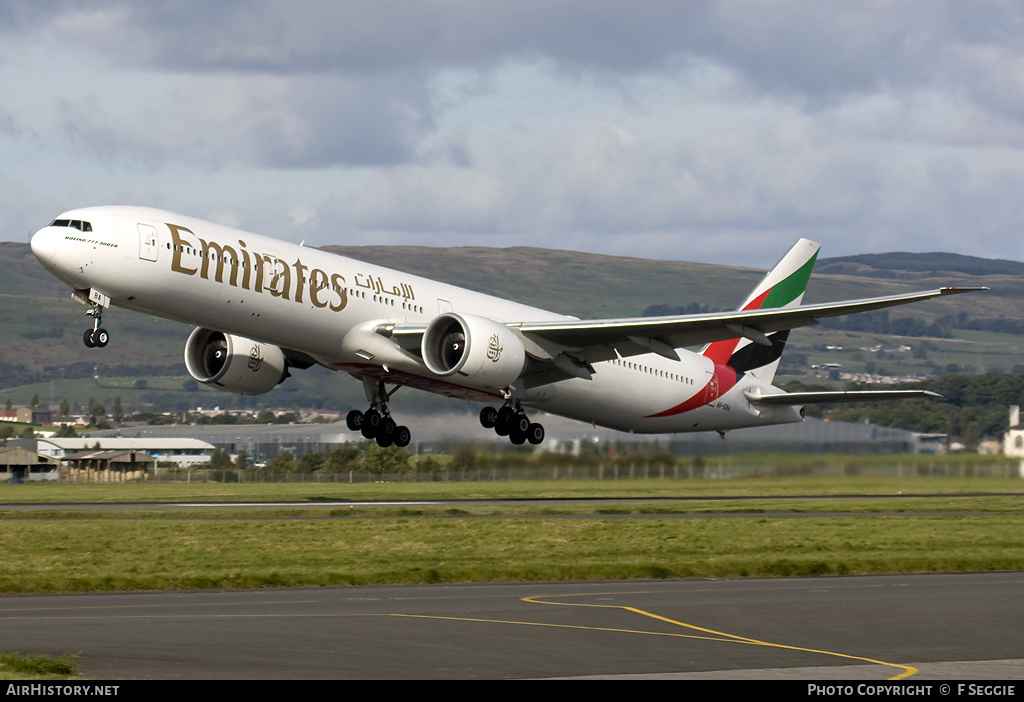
[[901, 263]]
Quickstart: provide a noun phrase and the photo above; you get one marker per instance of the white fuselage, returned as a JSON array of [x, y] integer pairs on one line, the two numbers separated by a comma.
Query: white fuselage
[[327, 306]]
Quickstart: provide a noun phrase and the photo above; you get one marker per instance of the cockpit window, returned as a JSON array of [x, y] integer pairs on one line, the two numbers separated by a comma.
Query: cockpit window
[[74, 223]]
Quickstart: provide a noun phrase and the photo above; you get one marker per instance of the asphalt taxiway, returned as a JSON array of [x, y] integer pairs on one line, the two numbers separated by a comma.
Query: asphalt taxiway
[[958, 626]]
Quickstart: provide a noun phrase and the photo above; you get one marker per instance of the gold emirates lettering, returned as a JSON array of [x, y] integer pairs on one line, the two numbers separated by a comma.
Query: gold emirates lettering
[[272, 274]]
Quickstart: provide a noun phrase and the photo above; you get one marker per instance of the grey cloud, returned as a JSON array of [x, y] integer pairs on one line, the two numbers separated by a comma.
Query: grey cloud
[[11, 126], [307, 122], [385, 53], [868, 90], [770, 187], [819, 47]]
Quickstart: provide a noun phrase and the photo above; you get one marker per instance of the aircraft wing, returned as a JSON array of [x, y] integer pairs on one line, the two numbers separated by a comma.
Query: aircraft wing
[[811, 398], [569, 346], [566, 348], [661, 334]]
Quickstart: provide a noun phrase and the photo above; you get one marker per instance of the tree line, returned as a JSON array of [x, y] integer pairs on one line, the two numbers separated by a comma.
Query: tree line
[[942, 328], [973, 407], [368, 457]]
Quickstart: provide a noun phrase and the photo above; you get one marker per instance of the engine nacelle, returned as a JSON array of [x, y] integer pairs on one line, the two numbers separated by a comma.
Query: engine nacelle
[[234, 363], [480, 351]]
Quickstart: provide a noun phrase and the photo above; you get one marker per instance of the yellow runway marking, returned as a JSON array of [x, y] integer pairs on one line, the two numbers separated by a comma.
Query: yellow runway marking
[[722, 636], [704, 634]]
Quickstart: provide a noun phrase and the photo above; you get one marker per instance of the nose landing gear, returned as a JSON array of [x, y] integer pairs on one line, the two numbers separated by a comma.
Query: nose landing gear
[[97, 337]]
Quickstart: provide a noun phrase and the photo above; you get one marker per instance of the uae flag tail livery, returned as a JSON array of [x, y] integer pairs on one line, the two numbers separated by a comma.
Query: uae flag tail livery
[[752, 351], [782, 286]]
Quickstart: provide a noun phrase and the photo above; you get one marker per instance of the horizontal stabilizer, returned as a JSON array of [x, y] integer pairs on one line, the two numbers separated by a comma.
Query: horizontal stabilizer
[[813, 398]]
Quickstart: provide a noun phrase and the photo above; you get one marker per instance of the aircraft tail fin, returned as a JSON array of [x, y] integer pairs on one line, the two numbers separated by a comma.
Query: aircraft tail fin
[[783, 286]]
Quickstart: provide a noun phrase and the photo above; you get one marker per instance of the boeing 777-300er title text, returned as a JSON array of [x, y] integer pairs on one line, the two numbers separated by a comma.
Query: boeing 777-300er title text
[[262, 306]]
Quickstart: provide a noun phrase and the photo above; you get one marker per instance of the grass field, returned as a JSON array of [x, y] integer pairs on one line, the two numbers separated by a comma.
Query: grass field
[[755, 528], [15, 666]]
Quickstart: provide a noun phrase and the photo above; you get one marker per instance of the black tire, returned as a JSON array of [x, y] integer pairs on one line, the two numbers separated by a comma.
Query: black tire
[[354, 420], [488, 417], [87, 339], [101, 338], [506, 416], [535, 434], [402, 437], [371, 423]]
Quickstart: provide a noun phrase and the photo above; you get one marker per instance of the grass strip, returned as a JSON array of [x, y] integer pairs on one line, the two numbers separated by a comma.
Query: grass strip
[[793, 505], [74, 555], [16, 666], [55, 492]]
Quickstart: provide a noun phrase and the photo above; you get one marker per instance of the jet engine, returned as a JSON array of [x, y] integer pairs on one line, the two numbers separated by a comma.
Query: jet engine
[[234, 363], [483, 353]]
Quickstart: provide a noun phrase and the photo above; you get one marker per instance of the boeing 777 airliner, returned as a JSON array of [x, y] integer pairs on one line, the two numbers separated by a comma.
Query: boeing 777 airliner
[[262, 307]]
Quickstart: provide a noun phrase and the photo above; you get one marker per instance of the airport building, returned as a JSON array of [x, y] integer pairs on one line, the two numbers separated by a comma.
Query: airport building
[[106, 466], [19, 464], [261, 442], [182, 452]]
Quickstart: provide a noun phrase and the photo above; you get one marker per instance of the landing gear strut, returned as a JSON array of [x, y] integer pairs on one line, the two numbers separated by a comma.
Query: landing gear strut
[[376, 422], [511, 421]]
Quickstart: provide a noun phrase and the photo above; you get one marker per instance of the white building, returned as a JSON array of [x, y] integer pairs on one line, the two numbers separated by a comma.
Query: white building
[[1013, 441], [181, 452]]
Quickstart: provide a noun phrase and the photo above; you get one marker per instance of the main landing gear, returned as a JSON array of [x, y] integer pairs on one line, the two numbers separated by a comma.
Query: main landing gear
[[512, 422], [376, 423], [97, 337]]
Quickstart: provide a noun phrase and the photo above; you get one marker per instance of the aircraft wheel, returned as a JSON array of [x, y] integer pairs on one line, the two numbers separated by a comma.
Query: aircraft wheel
[[402, 436], [535, 434], [87, 339], [506, 417], [101, 338], [488, 417], [354, 420], [386, 432], [517, 437], [371, 423], [521, 424]]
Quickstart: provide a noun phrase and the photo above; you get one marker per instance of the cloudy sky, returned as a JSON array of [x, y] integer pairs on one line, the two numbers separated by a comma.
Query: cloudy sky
[[705, 131]]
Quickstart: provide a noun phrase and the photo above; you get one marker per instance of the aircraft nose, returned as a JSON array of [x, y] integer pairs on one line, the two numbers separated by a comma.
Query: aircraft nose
[[44, 243]]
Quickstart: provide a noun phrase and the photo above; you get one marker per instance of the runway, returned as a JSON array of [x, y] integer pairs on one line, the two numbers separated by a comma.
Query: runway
[[859, 628]]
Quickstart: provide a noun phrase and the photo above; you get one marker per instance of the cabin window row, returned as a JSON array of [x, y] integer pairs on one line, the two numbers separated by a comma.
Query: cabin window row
[[653, 371]]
